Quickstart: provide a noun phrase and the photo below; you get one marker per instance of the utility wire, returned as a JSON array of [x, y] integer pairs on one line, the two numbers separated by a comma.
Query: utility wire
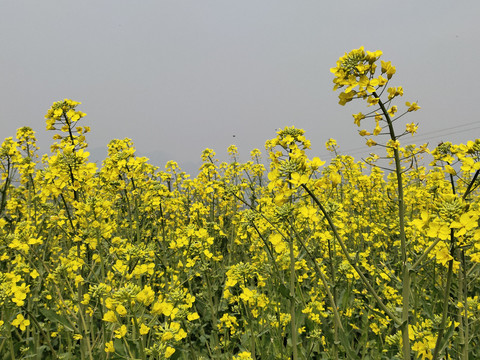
[[427, 136]]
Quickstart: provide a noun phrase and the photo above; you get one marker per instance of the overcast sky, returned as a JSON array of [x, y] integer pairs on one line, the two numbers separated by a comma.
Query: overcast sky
[[180, 76]]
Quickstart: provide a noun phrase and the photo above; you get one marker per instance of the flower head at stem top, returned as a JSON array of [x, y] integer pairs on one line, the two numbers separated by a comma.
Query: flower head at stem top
[[357, 69], [355, 75]]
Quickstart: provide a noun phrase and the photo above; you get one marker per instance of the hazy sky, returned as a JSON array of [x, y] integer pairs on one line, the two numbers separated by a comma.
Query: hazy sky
[[180, 76]]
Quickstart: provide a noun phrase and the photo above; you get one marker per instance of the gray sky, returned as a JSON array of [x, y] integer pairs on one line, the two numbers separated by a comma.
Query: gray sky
[[179, 76]]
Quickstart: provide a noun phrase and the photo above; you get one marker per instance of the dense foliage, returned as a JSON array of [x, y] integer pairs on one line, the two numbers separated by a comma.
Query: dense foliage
[[304, 261]]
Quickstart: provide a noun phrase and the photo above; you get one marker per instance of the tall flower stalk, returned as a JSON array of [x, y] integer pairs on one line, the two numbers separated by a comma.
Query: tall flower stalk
[[355, 72]]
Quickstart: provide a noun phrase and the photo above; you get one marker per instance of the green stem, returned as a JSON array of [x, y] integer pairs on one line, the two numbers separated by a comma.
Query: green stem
[[47, 337], [465, 307], [469, 188], [137, 220], [293, 322], [142, 341], [216, 347], [424, 254], [406, 267], [6, 185], [292, 301], [12, 349]]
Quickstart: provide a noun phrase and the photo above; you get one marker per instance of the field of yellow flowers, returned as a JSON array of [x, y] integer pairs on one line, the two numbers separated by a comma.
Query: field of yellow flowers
[[372, 259]]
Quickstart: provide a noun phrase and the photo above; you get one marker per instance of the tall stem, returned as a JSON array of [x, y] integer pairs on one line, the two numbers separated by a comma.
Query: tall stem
[[406, 266], [292, 300], [465, 306], [469, 188], [293, 321]]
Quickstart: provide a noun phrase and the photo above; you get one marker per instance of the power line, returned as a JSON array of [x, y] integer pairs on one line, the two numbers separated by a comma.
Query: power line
[[427, 136]]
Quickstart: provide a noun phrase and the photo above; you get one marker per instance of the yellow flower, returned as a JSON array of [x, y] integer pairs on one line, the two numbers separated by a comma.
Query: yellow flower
[[392, 110], [207, 253], [393, 92], [371, 142], [375, 328], [366, 83], [20, 294], [120, 333], [297, 179], [310, 212], [450, 170], [167, 335], [412, 128], [423, 347], [345, 97], [247, 295], [120, 266], [475, 257], [467, 221], [144, 329], [393, 144], [110, 316], [388, 68], [331, 144], [439, 230], [169, 351], [19, 245], [163, 307], [245, 355], [78, 279], [86, 299], [443, 256], [109, 348], [110, 303], [193, 316], [278, 243], [316, 163], [412, 106], [377, 130], [181, 334], [20, 322], [121, 310], [146, 296]]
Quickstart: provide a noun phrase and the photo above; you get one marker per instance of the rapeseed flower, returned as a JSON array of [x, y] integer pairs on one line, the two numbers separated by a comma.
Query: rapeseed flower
[[20, 322], [109, 348]]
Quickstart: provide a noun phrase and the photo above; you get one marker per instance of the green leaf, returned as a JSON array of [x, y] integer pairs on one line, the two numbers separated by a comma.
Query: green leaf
[[447, 336], [54, 317], [284, 291]]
